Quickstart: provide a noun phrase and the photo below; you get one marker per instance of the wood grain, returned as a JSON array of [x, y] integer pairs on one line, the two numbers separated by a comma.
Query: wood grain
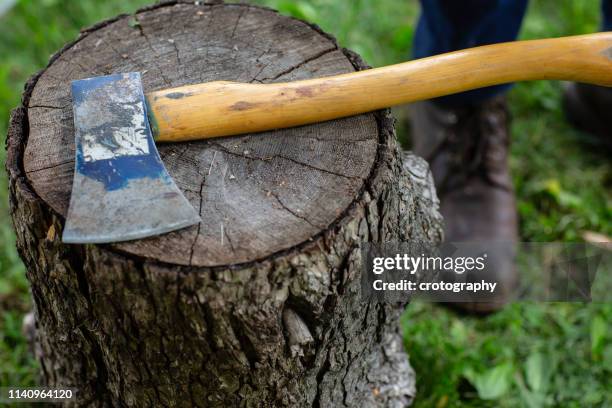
[[257, 194]]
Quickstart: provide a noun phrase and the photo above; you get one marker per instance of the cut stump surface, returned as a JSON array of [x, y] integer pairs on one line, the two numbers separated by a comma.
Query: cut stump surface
[[258, 194], [258, 306]]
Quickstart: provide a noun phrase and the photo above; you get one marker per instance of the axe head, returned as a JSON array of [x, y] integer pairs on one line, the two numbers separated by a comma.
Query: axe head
[[121, 190]]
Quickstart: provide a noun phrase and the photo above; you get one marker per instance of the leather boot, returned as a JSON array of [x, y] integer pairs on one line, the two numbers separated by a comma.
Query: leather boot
[[467, 149], [589, 108]]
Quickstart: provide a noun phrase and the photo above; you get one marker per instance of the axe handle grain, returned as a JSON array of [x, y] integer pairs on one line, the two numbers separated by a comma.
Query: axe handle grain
[[227, 108]]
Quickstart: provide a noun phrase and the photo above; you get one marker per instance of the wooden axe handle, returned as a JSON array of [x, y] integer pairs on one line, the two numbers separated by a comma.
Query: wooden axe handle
[[227, 108]]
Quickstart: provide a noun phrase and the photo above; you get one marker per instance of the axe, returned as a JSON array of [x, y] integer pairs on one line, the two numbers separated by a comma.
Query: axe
[[121, 190]]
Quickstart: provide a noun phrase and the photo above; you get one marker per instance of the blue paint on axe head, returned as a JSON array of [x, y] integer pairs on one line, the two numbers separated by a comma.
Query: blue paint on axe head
[[115, 144], [121, 190]]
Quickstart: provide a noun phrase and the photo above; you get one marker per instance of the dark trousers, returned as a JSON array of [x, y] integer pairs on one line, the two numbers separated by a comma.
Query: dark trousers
[[449, 25]]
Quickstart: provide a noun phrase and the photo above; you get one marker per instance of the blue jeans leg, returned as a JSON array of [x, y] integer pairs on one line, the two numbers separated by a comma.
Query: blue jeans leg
[[449, 25], [606, 8]]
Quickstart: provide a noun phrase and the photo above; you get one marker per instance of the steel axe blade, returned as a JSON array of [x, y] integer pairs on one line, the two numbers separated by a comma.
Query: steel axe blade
[[121, 189]]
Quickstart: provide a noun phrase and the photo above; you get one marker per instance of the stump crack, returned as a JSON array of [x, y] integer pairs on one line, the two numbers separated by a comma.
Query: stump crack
[[51, 166], [301, 64], [319, 139], [242, 12], [46, 107], [176, 51], [229, 239], [197, 235], [310, 166], [254, 79], [148, 41], [293, 212], [281, 157]]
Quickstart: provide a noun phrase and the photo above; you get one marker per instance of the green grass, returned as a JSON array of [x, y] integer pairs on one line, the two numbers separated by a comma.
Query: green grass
[[530, 354]]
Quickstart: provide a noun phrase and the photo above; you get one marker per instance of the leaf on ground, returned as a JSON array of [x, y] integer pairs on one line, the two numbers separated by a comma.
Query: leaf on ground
[[491, 384], [531, 399], [598, 336], [537, 371]]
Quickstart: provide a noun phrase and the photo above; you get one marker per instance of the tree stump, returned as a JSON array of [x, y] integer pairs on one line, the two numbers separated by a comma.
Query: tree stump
[[260, 304]]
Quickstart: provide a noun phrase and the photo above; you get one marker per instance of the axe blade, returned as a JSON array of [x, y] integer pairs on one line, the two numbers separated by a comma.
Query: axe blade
[[121, 189]]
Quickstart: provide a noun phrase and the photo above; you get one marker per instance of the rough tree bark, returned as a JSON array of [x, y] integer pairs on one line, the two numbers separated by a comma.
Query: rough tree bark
[[260, 304]]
